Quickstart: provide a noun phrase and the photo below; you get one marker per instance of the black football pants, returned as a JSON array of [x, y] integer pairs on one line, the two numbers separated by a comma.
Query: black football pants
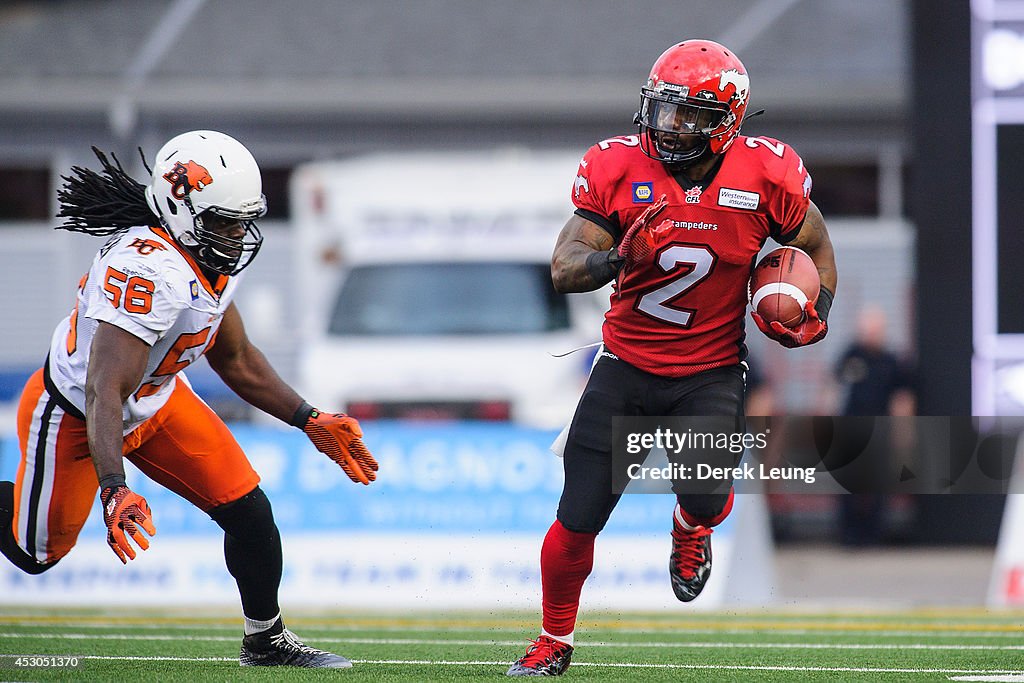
[[617, 388]]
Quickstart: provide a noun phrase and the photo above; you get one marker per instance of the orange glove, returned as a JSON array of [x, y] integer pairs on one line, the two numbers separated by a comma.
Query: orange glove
[[812, 329], [122, 510], [337, 436]]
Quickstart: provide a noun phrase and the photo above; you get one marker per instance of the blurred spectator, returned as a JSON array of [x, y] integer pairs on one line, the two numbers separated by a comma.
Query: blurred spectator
[[876, 382]]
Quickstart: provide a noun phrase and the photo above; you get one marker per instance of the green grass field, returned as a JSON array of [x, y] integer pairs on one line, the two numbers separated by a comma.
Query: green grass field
[[146, 645]]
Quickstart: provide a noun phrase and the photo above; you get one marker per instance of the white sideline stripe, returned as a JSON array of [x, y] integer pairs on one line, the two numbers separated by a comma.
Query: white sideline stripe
[[515, 643], [841, 632], [668, 628], [614, 665]]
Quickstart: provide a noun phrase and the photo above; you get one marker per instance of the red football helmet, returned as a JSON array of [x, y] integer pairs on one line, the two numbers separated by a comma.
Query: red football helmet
[[693, 102]]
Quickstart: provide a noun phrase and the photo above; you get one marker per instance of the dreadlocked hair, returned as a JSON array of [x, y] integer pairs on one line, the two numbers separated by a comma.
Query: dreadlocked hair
[[103, 203]]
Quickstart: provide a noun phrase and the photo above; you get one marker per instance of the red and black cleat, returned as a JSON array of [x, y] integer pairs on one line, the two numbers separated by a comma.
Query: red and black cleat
[[544, 657], [690, 564]]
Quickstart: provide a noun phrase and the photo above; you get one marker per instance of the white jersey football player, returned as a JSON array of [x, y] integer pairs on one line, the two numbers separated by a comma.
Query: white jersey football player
[[157, 297], [143, 282]]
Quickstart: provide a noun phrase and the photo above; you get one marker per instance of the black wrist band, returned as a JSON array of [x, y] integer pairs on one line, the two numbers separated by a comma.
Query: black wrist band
[[602, 266], [824, 303], [112, 481], [301, 416]]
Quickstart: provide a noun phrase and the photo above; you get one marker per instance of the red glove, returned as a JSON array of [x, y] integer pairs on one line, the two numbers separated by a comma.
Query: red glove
[[337, 436], [811, 330], [632, 248], [122, 511]]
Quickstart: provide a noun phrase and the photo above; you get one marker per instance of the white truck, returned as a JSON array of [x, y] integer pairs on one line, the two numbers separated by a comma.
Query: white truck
[[426, 287]]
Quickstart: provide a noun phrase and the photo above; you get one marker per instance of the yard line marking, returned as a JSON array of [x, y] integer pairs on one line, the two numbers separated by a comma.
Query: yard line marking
[[615, 665], [515, 643], [138, 658], [683, 645], [844, 625], [1016, 632]]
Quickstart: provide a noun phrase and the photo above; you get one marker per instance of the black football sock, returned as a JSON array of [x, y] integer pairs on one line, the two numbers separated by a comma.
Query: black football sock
[[252, 551]]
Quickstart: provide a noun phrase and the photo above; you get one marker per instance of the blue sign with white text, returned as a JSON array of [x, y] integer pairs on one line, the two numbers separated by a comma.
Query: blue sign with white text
[[434, 478]]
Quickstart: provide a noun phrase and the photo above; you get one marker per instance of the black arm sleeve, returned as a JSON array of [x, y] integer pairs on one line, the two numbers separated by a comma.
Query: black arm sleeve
[[824, 302], [604, 265]]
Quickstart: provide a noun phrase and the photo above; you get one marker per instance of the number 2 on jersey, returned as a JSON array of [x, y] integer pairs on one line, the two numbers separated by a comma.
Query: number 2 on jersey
[[698, 261]]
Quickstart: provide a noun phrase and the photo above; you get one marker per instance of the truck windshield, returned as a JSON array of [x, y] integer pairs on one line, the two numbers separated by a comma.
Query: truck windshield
[[448, 299]]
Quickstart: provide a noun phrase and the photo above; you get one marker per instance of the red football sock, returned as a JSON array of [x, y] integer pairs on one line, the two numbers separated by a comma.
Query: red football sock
[[705, 522], [566, 559]]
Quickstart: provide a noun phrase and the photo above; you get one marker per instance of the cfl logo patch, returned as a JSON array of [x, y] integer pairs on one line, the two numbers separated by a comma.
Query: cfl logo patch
[[643, 193]]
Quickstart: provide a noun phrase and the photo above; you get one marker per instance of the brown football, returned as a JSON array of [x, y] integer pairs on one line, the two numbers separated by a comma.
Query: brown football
[[783, 281]]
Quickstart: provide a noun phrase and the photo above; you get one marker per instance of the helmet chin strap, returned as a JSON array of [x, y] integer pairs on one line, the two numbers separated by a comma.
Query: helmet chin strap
[[747, 117], [687, 163], [206, 254], [705, 153], [209, 257]]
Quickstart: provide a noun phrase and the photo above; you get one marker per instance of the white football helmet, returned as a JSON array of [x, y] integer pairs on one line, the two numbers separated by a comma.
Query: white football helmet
[[206, 188]]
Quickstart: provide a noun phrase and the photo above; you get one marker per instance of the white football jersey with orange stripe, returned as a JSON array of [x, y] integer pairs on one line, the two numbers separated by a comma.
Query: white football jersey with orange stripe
[[146, 284]]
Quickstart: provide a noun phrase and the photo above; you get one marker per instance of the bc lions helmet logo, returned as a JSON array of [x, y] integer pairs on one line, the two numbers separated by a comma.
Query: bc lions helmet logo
[[187, 177]]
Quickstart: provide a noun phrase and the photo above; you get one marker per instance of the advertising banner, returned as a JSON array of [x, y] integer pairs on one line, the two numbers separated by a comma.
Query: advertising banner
[[455, 520]]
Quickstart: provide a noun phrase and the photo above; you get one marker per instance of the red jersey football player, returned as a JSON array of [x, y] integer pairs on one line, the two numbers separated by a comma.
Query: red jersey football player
[[676, 215]]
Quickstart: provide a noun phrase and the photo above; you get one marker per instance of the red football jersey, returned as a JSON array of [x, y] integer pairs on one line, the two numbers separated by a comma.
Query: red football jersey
[[681, 309]]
